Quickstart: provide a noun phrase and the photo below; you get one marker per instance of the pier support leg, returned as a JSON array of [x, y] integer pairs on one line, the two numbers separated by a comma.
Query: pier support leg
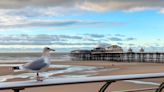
[[18, 89], [105, 86], [161, 87]]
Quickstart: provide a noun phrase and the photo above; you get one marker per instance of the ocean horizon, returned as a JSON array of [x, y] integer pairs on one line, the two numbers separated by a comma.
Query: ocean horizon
[[30, 56]]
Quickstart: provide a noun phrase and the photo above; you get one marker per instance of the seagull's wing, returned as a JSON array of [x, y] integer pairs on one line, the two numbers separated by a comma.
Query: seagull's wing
[[36, 65]]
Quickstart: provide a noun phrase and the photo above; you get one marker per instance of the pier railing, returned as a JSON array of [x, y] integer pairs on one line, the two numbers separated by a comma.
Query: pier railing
[[17, 86]]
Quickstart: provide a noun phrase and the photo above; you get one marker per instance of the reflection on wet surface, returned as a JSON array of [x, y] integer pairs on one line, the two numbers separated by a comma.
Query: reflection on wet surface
[[143, 82], [66, 71], [52, 73]]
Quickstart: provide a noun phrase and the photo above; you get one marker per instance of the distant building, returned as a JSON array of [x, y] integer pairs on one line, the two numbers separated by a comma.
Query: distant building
[[81, 51], [141, 50], [130, 50], [114, 49], [82, 54], [98, 49]]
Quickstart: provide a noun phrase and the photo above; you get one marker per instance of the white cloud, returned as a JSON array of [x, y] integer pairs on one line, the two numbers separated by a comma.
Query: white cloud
[[9, 20], [138, 9], [162, 10], [93, 6], [17, 11], [22, 18]]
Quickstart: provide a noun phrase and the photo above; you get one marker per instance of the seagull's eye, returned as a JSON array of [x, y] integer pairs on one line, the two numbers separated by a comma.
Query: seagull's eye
[[48, 48]]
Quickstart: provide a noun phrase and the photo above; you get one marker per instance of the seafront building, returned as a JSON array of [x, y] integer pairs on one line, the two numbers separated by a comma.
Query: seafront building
[[116, 53]]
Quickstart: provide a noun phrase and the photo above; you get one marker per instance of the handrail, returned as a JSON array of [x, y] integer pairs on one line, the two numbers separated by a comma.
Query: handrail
[[16, 86]]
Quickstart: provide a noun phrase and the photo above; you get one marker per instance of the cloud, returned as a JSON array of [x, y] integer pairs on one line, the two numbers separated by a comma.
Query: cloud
[[42, 12], [103, 45], [162, 10], [95, 35], [114, 5], [10, 21], [119, 35], [89, 5], [7, 23], [44, 39], [131, 44], [119, 43], [38, 3], [18, 13], [70, 37], [35, 39], [115, 39], [138, 9], [25, 41], [89, 39], [130, 39]]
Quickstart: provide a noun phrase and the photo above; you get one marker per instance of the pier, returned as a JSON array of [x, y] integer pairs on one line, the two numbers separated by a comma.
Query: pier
[[115, 53]]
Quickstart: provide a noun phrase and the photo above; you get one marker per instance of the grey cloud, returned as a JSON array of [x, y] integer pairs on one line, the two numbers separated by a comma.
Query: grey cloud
[[95, 35], [120, 43], [42, 12], [88, 39], [70, 37], [44, 39], [115, 39], [119, 35], [48, 23], [131, 44], [130, 39], [34, 12], [82, 43], [104, 44], [129, 5], [93, 5], [38, 3], [41, 39]]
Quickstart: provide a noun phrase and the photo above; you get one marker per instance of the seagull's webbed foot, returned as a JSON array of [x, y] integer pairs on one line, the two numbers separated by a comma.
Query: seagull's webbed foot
[[38, 78]]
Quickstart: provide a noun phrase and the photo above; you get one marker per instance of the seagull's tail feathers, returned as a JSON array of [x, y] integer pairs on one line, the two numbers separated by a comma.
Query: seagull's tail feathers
[[16, 68]]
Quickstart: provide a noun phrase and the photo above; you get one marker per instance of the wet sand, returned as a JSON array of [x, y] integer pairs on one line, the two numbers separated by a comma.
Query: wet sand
[[121, 68]]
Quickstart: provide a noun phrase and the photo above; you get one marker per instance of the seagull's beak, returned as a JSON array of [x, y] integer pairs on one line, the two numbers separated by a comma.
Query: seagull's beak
[[52, 49]]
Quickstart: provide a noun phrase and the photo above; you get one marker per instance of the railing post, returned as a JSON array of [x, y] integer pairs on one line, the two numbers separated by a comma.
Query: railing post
[[105, 86], [18, 89], [160, 88]]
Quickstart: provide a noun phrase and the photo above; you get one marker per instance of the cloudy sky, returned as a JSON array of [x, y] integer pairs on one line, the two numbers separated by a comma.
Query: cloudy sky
[[29, 25]]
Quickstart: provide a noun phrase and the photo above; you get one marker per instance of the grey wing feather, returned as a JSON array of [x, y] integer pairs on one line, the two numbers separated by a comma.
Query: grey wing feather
[[36, 65]]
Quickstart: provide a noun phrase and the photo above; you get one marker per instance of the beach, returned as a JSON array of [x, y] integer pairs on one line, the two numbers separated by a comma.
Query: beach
[[104, 68]]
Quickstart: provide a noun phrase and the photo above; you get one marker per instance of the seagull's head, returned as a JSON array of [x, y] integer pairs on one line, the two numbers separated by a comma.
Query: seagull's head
[[47, 49]]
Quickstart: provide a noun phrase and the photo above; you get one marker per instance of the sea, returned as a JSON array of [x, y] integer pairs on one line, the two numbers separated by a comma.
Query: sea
[[30, 56]]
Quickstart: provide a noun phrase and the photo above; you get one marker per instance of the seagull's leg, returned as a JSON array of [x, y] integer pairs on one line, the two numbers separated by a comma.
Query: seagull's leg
[[38, 77]]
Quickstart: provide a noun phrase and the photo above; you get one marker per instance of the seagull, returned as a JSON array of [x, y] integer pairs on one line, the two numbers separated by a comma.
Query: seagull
[[38, 64]]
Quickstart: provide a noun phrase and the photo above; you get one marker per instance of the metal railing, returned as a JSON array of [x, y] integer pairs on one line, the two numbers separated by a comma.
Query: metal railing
[[17, 86]]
